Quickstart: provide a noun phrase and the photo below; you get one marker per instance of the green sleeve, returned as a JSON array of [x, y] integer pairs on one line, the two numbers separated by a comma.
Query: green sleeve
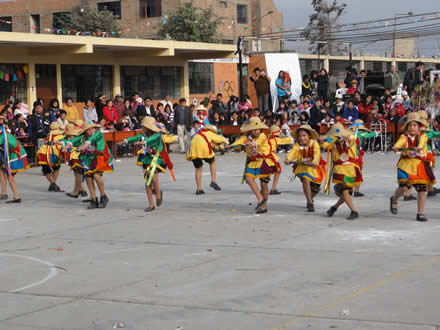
[[433, 135], [12, 142], [366, 135], [154, 141], [77, 141], [98, 141], [134, 139]]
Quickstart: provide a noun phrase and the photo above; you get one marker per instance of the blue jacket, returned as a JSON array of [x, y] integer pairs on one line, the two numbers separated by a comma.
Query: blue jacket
[[354, 114]]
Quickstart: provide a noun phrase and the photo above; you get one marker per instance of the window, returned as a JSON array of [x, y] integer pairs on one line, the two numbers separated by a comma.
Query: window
[[153, 81], [81, 82], [223, 4], [200, 78], [35, 23], [4, 26], [242, 16], [150, 8], [58, 20], [9, 88], [114, 7]]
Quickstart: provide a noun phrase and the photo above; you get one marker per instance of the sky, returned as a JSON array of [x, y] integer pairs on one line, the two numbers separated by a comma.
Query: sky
[[296, 13]]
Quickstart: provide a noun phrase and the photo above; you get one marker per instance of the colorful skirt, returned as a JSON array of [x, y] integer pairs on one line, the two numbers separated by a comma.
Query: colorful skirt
[[16, 165], [424, 175], [310, 177], [264, 171], [98, 164], [348, 175]]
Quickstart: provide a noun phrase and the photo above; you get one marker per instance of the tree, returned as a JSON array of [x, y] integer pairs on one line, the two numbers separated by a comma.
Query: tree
[[326, 14], [87, 19], [189, 23]]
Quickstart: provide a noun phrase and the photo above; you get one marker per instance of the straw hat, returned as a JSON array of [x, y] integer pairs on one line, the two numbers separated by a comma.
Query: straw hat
[[211, 128], [307, 128], [71, 130], [87, 125], [55, 129], [339, 130], [253, 124], [151, 124], [413, 117], [422, 114], [275, 130], [79, 123], [201, 108], [361, 127]]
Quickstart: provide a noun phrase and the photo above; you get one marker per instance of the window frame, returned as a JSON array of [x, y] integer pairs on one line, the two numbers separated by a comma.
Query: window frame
[[105, 5], [6, 27], [242, 19]]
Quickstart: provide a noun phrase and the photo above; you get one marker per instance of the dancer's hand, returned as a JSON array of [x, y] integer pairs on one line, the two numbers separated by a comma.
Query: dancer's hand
[[395, 149], [287, 162]]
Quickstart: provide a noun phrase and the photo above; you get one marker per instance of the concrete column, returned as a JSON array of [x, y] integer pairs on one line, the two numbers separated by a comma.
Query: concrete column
[[362, 64], [59, 84], [116, 79], [185, 82], [31, 85], [327, 64]]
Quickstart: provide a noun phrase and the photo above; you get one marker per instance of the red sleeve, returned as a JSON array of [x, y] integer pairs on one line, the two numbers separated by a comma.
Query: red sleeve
[[115, 114]]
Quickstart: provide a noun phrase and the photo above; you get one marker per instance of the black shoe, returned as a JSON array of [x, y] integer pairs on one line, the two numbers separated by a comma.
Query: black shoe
[[72, 195], [274, 192], [215, 186], [56, 188], [200, 192], [260, 211], [51, 187], [310, 207], [393, 210], [409, 198], [3, 197], [94, 204], [159, 200], [420, 217], [83, 193], [358, 194], [331, 211], [431, 193], [103, 202], [436, 190], [87, 200], [353, 215], [150, 209], [259, 205], [14, 201]]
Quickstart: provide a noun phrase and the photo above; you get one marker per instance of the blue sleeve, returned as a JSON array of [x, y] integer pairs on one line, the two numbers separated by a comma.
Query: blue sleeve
[[52, 118], [355, 115], [30, 127]]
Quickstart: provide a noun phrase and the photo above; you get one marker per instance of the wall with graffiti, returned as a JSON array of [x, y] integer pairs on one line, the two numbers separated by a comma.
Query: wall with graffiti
[[226, 79]]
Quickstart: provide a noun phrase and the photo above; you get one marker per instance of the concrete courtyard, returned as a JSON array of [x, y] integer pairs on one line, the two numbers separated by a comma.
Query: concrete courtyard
[[209, 263]]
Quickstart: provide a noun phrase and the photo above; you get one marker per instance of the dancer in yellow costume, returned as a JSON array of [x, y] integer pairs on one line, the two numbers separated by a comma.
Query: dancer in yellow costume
[[274, 141]]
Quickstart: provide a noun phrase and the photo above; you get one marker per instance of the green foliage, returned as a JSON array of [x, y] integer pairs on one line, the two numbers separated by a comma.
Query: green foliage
[[87, 19], [189, 23]]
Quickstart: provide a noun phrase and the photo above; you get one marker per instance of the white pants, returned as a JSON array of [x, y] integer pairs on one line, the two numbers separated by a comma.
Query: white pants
[[181, 137]]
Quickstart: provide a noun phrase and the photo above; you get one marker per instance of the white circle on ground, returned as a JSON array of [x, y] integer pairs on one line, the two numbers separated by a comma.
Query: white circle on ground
[[52, 273]]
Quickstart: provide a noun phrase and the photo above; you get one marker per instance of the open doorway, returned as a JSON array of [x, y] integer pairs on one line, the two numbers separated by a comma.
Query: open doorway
[[46, 77]]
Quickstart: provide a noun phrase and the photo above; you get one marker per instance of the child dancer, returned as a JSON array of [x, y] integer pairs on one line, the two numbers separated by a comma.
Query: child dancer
[[346, 166], [13, 159], [260, 163], [200, 149], [96, 158], [308, 164], [153, 157], [72, 158], [363, 133], [49, 156], [413, 167], [275, 140]]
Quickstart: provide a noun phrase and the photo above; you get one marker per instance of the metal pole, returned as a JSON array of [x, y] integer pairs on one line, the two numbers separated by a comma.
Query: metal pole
[[319, 56], [281, 45], [240, 66], [351, 55], [394, 36]]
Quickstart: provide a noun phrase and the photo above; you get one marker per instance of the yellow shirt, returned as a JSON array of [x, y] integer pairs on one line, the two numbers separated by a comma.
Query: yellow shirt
[[72, 113], [310, 154], [408, 162], [257, 150], [199, 149]]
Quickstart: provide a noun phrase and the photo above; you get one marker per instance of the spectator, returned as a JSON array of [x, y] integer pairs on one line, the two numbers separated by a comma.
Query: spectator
[[21, 125], [327, 121], [218, 105], [262, 88], [379, 106], [351, 112], [332, 85], [413, 77], [89, 112], [99, 105], [244, 104], [234, 119], [323, 82], [362, 83], [20, 107], [118, 104], [365, 107], [183, 120], [316, 115], [62, 119], [406, 101], [307, 88], [54, 107], [337, 107], [161, 116], [8, 112], [169, 118], [393, 117], [166, 101], [387, 105], [109, 114], [71, 111], [216, 121], [304, 118], [353, 87], [145, 110], [394, 80], [349, 76], [398, 107], [39, 124], [386, 93], [126, 122], [135, 101], [294, 119], [233, 105], [283, 87], [282, 108], [357, 98], [293, 107]]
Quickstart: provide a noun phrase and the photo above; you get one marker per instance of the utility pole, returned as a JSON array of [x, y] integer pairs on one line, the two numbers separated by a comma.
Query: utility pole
[[240, 64]]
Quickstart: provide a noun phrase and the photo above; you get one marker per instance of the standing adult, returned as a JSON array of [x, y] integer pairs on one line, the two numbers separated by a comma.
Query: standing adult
[[394, 78], [99, 106], [362, 83], [283, 87], [349, 76], [145, 110], [316, 116], [39, 124], [323, 82], [183, 120], [332, 86], [109, 113], [218, 105], [414, 77], [262, 88], [118, 104]]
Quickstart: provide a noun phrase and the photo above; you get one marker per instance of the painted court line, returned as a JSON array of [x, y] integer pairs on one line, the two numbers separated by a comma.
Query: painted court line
[[360, 292], [52, 273]]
